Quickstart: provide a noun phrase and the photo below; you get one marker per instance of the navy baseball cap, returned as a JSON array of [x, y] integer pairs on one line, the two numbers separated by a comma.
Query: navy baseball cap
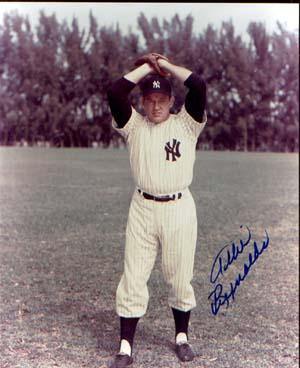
[[155, 83]]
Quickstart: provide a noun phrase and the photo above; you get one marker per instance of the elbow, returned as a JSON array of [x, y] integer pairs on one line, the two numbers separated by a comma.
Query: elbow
[[114, 89], [202, 93], [110, 93], [202, 88], [197, 85], [112, 96]]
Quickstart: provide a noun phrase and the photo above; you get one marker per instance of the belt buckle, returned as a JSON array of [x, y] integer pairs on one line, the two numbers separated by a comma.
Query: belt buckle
[[166, 198]]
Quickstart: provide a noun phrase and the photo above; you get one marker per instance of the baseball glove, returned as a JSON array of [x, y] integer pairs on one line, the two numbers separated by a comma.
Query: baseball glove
[[152, 59]]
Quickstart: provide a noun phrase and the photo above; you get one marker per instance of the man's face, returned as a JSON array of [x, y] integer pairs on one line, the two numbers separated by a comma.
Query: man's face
[[157, 106]]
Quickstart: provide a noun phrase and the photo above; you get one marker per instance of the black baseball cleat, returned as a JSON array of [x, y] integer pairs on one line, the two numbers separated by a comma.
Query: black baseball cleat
[[122, 361], [184, 352]]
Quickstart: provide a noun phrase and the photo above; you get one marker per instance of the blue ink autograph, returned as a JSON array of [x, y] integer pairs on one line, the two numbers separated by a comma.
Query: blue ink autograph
[[226, 256]]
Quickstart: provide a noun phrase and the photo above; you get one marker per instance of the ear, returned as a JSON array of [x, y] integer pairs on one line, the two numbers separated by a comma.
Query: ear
[[141, 103]]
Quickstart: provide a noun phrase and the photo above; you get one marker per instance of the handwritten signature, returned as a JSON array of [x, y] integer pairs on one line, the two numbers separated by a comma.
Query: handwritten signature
[[226, 256]]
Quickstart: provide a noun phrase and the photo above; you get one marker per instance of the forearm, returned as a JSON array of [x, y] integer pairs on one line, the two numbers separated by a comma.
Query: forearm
[[119, 92], [177, 71], [136, 75], [196, 97]]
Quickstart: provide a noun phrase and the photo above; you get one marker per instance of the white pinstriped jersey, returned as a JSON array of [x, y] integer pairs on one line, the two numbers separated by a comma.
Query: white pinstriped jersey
[[162, 155]]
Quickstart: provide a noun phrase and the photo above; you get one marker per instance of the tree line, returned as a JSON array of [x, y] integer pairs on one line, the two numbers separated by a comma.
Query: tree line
[[54, 79]]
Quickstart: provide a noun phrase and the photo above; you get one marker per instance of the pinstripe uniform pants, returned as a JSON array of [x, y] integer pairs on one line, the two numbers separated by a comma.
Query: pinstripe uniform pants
[[171, 225]]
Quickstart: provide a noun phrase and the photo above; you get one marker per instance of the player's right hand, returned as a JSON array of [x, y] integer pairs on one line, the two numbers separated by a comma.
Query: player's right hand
[[152, 60]]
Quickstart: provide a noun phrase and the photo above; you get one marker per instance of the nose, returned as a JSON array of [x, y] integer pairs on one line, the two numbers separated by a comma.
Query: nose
[[156, 106]]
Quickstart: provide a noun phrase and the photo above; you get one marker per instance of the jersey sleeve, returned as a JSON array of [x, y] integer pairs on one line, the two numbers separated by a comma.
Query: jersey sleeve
[[119, 104], [132, 123], [195, 99], [192, 127]]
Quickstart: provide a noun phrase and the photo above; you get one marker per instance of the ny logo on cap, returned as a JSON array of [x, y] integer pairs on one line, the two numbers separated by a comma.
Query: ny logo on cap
[[156, 84]]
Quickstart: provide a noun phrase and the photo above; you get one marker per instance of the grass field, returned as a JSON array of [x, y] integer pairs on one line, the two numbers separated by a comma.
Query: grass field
[[63, 215]]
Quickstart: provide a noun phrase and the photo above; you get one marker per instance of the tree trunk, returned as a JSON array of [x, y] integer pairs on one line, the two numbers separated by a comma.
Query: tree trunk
[[70, 134], [253, 144], [245, 136]]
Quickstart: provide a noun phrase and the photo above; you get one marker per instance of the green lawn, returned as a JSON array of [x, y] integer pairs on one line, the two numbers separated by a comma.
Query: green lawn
[[63, 215]]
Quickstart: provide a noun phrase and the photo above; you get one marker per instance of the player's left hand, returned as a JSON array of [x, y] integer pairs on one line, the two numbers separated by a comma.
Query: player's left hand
[[152, 59]]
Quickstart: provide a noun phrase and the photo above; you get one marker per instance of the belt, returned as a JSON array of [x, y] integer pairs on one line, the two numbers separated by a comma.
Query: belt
[[166, 198]]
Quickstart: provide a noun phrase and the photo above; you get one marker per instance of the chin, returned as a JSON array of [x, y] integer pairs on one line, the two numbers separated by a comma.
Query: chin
[[158, 120]]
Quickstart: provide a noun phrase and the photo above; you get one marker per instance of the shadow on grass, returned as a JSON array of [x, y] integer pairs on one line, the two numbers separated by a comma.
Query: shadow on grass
[[104, 328]]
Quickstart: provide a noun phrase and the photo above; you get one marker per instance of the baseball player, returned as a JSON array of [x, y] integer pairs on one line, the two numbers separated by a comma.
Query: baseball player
[[162, 211]]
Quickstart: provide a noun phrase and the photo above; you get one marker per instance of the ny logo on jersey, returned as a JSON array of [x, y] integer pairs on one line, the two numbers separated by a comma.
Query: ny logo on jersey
[[172, 150], [156, 84]]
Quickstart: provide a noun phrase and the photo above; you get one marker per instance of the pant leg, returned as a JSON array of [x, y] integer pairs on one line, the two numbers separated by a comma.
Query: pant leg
[[178, 239], [140, 253]]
